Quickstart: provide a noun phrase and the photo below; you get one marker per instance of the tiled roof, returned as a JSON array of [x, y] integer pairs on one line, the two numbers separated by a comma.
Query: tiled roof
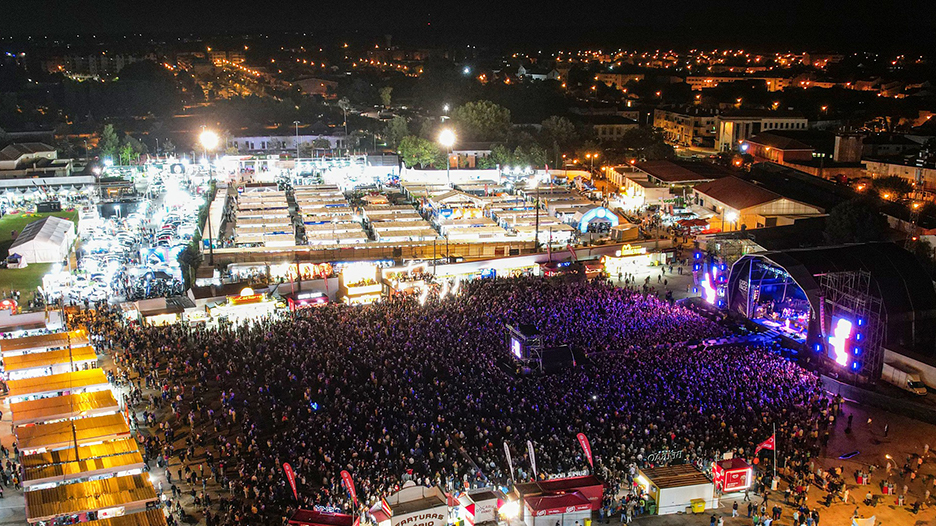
[[681, 172], [17, 150], [737, 193], [779, 142]]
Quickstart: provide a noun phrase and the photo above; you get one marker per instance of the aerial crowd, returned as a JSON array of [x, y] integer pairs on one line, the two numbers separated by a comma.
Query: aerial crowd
[[402, 391]]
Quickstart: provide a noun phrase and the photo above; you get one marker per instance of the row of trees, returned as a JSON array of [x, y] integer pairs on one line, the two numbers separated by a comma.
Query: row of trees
[[487, 122]]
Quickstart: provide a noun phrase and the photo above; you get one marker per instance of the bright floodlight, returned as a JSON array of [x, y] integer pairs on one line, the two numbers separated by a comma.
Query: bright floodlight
[[208, 139], [447, 138], [731, 217]]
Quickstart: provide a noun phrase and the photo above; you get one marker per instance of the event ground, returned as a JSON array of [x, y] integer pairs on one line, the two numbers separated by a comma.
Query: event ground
[[905, 437]]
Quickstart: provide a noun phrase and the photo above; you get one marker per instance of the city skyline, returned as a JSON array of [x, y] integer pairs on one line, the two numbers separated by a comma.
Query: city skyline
[[791, 24]]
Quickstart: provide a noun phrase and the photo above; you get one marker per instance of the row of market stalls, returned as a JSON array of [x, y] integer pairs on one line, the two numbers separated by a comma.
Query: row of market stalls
[[564, 501], [80, 463], [327, 217], [262, 218]]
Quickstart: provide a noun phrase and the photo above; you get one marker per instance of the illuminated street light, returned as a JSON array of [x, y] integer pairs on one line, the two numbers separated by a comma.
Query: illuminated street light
[[447, 139], [208, 139]]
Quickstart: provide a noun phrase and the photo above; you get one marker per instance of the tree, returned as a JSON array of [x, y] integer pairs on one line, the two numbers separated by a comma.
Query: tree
[[108, 142], [420, 152], [395, 130], [168, 146], [855, 221], [923, 251], [558, 133], [481, 121], [385, 93], [894, 185]]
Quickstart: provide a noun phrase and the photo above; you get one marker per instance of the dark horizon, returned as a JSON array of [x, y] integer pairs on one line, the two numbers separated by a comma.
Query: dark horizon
[[795, 25]]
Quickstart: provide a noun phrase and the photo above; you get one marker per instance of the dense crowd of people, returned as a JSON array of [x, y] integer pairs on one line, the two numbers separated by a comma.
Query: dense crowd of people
[[402, 391]]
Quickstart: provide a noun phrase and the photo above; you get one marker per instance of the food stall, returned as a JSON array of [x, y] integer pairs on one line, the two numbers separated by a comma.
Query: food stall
[[565, 509], [63, 407], [305, 299], [49, 362], [57, 384], [480, 506], [674, 489], [359, 284], [412, 279], [629, 259], [732, 475], [413, 506], [245, 306], [589, 485], [110, 497], [43, 342]]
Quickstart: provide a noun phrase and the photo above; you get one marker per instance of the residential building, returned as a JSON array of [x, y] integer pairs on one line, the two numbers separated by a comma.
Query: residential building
[[686, 125], [735, 126], [777, 148], [467, 154], [619, 79], [537, 73], [740, 205], [32, 159], [607, 127], [284, 143], [324, 88], [877, 145], [635, 189], [698, 83], [909, 170]]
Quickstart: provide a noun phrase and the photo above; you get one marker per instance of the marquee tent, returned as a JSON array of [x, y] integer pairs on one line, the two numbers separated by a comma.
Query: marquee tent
[[47, 240]]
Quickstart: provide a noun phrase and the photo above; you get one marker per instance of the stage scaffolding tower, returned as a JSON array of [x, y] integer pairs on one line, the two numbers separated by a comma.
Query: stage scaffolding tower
[[847, 294]]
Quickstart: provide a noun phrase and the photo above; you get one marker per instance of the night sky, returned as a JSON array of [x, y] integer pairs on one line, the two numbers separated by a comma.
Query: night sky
[[793, 24]]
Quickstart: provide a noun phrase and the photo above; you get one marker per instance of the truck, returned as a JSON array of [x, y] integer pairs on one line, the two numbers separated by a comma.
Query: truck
[[904, 377]]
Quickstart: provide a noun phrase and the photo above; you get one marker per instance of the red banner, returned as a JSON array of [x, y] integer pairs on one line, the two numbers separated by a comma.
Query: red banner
[[766, 444], [349, 484], [583, 440], [291, 477]]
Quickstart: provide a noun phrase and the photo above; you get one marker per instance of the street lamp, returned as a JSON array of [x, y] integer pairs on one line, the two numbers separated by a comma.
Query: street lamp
[[209, 140], [447, 139], [731, 217], [297, 142]]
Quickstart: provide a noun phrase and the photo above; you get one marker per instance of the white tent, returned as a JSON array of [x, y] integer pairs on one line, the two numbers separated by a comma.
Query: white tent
[[47, 240]]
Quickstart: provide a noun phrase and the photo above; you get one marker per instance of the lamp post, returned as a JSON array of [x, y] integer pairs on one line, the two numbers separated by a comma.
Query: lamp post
[[297, 142], [447, 139], [731, 217], [209, 140], [536, 227]]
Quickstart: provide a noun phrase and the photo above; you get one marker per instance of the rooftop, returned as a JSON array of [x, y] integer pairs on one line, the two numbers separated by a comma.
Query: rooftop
[[737, 193], [675, 476], [681, 171], [779, 142]]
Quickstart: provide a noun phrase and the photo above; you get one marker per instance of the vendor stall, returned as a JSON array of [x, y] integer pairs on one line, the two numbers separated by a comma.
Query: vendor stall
[[247, 305], [629, 259], [480, 506], [43, 342], [305, 299], [732, 475], [359, 284], [57, 384], [589, 486], [49, 362], [60, 435], [130, 463], [64, 407], [413, 506], [111, 497], [565, 509], [674, 488], [412, 279]]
